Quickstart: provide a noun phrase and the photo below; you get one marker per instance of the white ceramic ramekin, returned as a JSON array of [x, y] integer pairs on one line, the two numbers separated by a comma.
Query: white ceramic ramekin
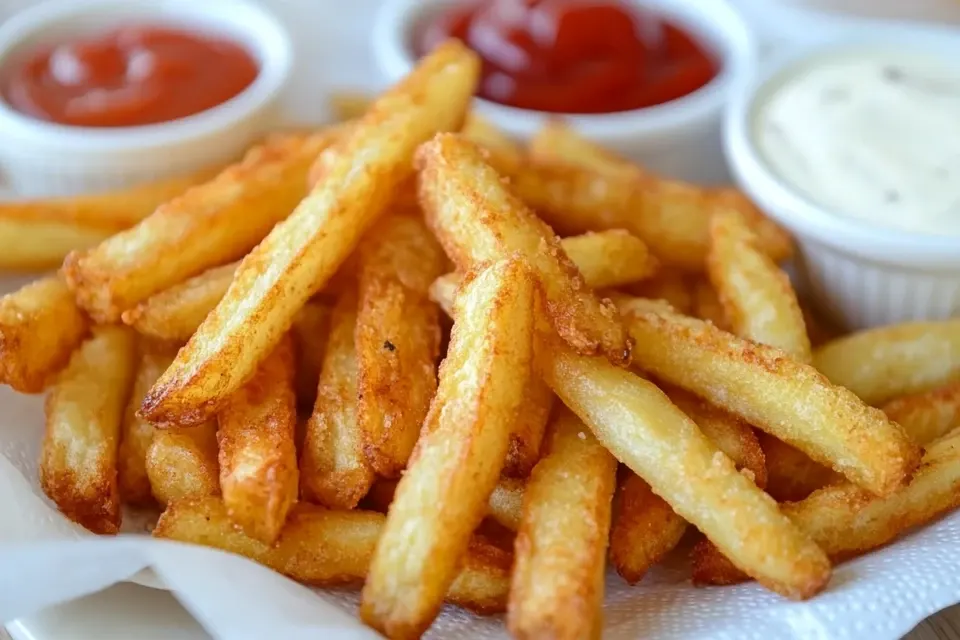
[[680, 138], [42, 158], [864, 275]]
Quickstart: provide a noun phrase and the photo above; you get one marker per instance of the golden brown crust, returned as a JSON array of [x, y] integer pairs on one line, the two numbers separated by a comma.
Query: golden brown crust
[[182, 463], [927, 416]]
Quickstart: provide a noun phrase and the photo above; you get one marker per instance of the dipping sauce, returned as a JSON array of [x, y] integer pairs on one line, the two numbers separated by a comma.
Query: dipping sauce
[[872, 135], [575, 56], [136, 75]]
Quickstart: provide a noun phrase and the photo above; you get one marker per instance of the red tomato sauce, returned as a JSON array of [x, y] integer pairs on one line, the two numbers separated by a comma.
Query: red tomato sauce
[[132, 76], [575, 56]]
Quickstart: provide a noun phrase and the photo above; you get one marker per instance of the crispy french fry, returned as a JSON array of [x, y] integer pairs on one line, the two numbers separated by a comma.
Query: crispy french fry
[[182, 463], [258, 455], [211, 224], [523, 452], [503, 151], [756, 294], [927, 416], [847, 521], [333, 468], [645, 431], [444, 493], [78, 459], [645, 528], [785, 398], [671, 286], [609, 259], [397, 339], [39, 246], [881, 364], [136, 434], [561, 547], [707, 305], [329, 548], [477, 221], [557, 143], [310, 332], [304, 251], [40, 326], [175, 313], [791, 474]]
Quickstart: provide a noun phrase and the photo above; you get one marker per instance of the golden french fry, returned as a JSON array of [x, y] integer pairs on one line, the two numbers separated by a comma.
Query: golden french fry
[[258, 455], [504, 152], [881, 364], [333, 468], [756, 294], [78, 459], [645, 529], [769, 390], [557, 143], [40, 326], [211, 224], [477, 221], [325, 548], [304, 251], [136, 435], [310, 332], [397, 339], [847, 521], [561, 547], [927, 416], [645, 431], [39, 246], [444, 493], [671, 286], [610, 259], [175, 313], [791, 474], [523, 451], [707, 305], [182, 463]]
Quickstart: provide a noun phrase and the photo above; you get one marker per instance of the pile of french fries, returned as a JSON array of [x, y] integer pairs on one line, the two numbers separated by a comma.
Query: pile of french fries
[[364, 355]]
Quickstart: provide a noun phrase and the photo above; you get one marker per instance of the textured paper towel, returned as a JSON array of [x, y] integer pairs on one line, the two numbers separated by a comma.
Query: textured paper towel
[[44, 559]]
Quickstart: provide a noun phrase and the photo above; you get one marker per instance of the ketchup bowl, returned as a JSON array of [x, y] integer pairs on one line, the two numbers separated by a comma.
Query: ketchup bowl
[[43, 157], [677, 137]]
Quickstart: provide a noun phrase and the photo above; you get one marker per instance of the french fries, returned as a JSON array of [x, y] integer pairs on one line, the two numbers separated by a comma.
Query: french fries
[[847, 521], [174, 314], [209, 225], [333, 468], [182, 463], [557, 143], [310, 333], [330, 548], [673, 287], [757, 297], [927, 416], [791, 474], [41, 245], [707, 305], [40, 326], [528, 429], [136, 435], [443, 495], [644, 430], [766, 388], [78, 459], [303, 251], [454, 182], [557, 588], [397, 339], [258, 455], [881, 364]]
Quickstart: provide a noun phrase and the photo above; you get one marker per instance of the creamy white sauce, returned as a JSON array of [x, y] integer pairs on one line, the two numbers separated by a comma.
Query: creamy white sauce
[[873, 135]]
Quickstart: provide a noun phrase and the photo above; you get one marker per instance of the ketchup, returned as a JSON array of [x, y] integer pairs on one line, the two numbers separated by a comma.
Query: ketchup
[[132, 76], [574, 56]]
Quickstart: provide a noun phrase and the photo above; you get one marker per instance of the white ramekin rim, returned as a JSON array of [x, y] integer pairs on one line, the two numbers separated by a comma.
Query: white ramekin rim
[[804, 218], [256, 28], [712, 20]]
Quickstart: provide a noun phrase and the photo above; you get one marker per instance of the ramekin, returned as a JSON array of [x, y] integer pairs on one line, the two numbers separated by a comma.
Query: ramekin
[[680, 139], [863, 275], [43, 158]]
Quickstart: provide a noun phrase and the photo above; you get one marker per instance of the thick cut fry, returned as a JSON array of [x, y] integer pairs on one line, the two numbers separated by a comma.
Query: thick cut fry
[[610, 259], [645, 431], [78, 460], [523, 452], [785, 398], [310, 333], [561, 548], [136, 434], [670, 286], [329, 548], [927, 416], [397, 339], [258, 453], [182, 463], [707, 305], [881, 364], [477, 221], [304, 251], [756, 294], [443, 495], [847, 521], [791, 474], [645, 529], [333, 468], [559, 144], [40, 326], [175, 313], [39, 246], [211, 224]]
